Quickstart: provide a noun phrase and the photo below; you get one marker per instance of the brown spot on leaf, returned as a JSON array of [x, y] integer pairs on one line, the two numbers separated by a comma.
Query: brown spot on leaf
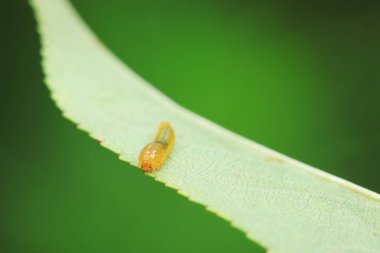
[[272, 158]]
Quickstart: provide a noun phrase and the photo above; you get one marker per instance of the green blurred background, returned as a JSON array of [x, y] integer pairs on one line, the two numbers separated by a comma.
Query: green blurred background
[[301, 77]]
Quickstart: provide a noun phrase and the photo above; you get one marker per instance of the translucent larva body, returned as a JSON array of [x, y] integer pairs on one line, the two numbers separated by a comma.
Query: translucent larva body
[[154, 154]]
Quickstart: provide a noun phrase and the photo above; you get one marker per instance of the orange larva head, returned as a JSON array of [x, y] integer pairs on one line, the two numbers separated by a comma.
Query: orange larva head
[[146, 166], [151, 157]]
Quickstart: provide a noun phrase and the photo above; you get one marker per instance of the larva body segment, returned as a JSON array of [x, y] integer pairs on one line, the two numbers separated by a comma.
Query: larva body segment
[[154, 154]]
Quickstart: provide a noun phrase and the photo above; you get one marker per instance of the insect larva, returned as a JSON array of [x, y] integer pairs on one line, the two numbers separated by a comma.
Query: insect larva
[[154, 154]]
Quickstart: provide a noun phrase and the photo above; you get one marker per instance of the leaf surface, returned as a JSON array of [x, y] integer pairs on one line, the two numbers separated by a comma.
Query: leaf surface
[[283, 204]]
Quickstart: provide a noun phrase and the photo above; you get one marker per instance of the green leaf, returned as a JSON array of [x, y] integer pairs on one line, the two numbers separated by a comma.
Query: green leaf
[[283, 204]]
